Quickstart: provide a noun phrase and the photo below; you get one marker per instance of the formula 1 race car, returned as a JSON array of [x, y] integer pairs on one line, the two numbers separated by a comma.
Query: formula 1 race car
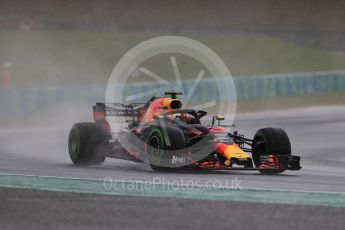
[[168, 137]]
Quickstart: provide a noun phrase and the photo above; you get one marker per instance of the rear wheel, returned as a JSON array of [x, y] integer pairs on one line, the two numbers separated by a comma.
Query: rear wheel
[[270, 141], [86, 144]]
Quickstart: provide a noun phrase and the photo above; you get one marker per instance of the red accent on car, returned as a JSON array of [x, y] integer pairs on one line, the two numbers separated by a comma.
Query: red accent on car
[[220, 147], [207, 164], [141, 114], [271, 162], [216, 129], [196, 132], [98, 116]]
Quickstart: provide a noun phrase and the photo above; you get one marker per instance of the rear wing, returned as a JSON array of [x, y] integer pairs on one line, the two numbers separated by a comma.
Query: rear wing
[[131, 111]]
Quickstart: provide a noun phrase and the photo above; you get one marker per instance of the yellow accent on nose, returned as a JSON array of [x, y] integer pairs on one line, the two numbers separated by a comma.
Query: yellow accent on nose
[[233, 151]]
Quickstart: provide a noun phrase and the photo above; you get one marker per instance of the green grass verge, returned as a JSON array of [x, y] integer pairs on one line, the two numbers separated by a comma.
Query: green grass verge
[[76, 57]]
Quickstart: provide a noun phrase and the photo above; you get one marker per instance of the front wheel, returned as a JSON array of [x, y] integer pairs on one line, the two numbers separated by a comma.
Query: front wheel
[[270, 141], [160, 154], [86, 144]]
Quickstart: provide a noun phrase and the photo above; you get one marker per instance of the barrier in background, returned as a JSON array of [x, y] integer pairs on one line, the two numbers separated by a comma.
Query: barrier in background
[[27, 100], [289, 84]]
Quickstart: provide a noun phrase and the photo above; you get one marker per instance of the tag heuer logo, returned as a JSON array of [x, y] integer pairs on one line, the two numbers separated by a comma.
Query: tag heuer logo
[[178, 160]]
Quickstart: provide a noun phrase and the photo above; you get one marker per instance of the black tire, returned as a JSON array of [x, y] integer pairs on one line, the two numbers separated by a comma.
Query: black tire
[[86, 144], [270, 141], [157, 156]]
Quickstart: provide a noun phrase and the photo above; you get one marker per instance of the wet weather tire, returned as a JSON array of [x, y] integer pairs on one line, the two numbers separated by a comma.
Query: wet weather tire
[[270, 141], [158, 152], [86, 144]]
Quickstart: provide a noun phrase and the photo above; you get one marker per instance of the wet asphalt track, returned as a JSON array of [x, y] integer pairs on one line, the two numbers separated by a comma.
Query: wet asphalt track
[[317, 135], [42, 210]]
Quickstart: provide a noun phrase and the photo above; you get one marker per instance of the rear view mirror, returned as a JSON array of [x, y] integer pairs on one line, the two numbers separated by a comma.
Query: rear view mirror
[[217, 118], [220, 118]]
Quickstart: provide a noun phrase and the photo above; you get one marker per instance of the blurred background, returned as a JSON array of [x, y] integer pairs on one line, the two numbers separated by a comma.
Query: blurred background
[[56, 56]]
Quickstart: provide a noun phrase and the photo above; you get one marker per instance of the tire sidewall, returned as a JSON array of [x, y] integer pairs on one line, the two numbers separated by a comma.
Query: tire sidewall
[[177, 142], [90, 138], [276, 143]]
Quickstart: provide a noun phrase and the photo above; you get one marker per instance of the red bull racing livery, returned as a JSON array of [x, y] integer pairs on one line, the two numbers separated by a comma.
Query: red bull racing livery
[[168, 137]]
